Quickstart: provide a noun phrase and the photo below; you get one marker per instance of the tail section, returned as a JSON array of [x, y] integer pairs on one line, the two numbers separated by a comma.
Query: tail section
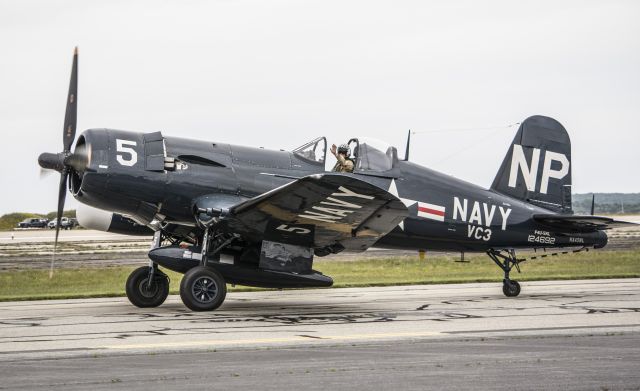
[[537, 168]]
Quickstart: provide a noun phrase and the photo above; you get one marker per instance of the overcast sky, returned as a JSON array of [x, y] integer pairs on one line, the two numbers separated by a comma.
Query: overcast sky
[[278, 73]]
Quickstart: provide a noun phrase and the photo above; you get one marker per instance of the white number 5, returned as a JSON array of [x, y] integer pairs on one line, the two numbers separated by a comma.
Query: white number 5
[[120, 147], [297, 230]]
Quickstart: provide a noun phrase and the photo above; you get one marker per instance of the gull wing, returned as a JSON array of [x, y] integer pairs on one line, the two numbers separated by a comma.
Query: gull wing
[[318, 211]]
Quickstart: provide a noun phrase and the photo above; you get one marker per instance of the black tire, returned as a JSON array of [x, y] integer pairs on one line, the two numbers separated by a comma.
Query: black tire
[[138, 291], [511, 288], [203, 289]]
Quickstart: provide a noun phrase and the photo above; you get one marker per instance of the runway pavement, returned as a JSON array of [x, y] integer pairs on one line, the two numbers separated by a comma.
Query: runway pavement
[[557, 334]]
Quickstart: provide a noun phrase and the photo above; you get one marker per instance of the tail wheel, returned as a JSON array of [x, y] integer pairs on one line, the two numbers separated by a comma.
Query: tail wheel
[[203, 289], [511, 288], [145, 295]]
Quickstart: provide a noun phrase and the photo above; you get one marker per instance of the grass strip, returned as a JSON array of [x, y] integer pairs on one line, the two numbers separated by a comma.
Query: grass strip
[[109, 281]]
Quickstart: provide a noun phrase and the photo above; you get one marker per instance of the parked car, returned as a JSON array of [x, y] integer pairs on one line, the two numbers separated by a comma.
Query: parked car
[[33, 223], [66, 223]]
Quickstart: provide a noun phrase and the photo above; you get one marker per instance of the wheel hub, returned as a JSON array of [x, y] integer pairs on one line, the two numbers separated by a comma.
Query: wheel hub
[[204, 290], [146, 290]]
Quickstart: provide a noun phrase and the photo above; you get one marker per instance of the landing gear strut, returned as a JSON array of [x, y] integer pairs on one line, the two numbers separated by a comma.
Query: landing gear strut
[[506, 261], [203, 288], [147, 286]]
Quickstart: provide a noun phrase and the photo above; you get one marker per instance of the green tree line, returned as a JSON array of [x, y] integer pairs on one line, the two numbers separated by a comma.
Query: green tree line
[[607, 203]]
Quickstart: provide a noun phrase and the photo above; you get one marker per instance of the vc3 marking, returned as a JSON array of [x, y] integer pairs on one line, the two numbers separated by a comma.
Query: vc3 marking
[[479, 232]]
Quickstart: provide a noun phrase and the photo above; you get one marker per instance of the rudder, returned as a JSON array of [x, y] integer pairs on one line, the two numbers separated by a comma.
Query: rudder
[[537, 168]]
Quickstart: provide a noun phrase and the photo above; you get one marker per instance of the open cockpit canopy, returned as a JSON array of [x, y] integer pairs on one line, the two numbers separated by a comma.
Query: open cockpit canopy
[[370, 156], [373, 155]]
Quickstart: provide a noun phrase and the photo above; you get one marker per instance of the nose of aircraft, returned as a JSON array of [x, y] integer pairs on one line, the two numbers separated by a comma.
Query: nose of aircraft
[[51, 161], [78, 160]]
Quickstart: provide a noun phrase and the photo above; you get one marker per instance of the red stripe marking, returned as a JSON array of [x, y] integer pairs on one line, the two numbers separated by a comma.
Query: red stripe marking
[[431, 211]]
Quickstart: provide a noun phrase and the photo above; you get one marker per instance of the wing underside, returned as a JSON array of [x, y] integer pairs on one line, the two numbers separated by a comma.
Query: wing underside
[[319, 211]]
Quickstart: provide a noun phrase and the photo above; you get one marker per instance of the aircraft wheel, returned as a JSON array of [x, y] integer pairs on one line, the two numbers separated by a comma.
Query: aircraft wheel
[[141, 294], [511, 288], [203, 289]]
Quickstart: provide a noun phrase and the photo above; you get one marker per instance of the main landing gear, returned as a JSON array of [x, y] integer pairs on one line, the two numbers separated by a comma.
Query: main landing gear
[[506, 261], [203, 288], [147, 286]]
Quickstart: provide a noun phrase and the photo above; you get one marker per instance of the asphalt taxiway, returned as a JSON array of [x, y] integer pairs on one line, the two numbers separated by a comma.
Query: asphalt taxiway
[[557, 334]]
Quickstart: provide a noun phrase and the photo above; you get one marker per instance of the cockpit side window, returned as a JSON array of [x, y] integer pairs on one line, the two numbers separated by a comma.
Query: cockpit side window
[[315, 150]]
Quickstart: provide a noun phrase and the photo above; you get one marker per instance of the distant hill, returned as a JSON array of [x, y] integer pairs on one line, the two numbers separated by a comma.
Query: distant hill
[[607, 203], [10, 220]]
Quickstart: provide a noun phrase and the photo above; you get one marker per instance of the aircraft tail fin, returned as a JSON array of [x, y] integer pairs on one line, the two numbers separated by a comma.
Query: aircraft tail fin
[[537, 168]]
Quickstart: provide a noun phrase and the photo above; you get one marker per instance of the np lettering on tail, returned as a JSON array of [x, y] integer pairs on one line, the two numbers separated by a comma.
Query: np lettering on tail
[[530, 170], [537, 168]]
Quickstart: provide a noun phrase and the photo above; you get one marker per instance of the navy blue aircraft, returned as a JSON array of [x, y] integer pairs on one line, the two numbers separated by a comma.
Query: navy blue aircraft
[[224, 213]]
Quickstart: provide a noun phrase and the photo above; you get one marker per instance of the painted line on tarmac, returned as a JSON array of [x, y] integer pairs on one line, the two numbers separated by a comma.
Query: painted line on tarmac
[[26, 239], [348, 337]]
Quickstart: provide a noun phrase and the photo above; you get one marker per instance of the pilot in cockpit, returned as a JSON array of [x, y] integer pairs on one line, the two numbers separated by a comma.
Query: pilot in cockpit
[[342, 153]]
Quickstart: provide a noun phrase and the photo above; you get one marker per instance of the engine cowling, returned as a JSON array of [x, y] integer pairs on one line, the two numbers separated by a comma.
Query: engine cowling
[[101, 220]]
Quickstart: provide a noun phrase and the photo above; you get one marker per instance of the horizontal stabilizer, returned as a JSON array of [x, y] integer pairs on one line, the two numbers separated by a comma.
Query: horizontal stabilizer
[[578, 223]]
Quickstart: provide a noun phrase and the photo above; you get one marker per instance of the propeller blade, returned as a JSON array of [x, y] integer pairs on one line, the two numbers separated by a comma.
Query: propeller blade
[[71, 115], [62, 194], [65, 161], [593, 203], [45, 172]]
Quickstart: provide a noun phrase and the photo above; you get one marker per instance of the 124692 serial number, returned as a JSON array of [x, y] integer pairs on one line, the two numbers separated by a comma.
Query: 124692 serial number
[[541, 239]]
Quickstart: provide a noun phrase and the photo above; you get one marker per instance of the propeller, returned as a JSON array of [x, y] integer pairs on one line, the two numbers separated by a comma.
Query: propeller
[[44, 172], [66, 161]]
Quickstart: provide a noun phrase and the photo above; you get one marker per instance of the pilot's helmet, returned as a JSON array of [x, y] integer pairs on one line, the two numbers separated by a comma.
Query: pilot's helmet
[[344, 148]]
